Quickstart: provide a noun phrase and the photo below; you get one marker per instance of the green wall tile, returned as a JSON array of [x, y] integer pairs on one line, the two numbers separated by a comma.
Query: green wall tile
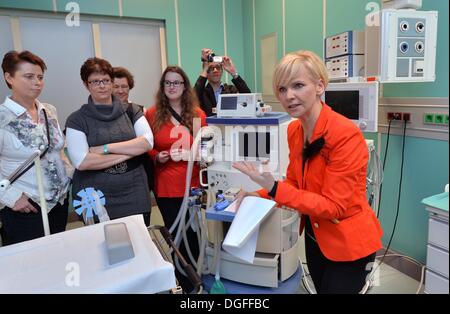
[[235, 35], [425, 173], [247, 13], [42, 5], [346, 15], [304, 26], [268, 21], [98, 7], [201, 26]]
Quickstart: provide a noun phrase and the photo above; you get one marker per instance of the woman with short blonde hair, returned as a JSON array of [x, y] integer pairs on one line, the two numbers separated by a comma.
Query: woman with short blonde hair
[[326, 179]]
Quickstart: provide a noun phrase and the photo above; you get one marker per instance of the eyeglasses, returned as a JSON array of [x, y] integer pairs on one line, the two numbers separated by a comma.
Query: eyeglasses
[[174, 83], [98, 82], [214, 67]]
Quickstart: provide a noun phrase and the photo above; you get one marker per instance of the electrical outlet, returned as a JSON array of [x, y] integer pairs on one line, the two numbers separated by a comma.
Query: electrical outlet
[[439, 118], [394, 116], [406, 116], [428, 118], [399, 116]]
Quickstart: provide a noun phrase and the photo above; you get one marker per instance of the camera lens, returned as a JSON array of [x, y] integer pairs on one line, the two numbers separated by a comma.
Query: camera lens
[[211, 57]]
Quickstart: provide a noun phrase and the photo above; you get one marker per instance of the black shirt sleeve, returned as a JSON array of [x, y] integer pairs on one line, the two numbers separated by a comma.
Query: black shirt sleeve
[[241, 85]]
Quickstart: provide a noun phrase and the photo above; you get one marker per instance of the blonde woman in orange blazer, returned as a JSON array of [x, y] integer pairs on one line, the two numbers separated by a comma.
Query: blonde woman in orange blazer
[[326, 179]]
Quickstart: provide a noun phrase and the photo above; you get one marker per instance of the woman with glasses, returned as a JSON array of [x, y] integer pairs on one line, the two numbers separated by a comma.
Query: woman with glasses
[[174, 119], [27, 126], [103, 141]]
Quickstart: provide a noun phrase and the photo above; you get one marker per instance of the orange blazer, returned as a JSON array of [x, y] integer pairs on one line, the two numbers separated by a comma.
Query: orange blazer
[[333, 189]]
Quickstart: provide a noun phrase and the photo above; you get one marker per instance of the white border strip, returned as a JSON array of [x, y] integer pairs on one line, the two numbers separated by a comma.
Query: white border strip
[[284, 27], [120, 8], [55, 7], [177, 30], [162, 43], [254, 47], [225, 41], [16, 36], [97, 42]]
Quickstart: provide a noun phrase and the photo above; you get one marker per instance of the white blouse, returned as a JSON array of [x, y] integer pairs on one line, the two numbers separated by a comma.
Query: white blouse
[[20, 137]]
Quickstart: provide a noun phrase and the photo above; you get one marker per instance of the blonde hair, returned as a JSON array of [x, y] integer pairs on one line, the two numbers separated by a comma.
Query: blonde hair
[[291, 64]]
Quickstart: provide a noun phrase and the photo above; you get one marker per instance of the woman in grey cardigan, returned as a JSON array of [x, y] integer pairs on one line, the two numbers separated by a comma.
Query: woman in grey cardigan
[[104, 139]]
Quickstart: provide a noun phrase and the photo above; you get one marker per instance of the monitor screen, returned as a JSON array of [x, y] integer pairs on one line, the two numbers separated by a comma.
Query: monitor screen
[[228, 103], [345, 102], [254, 144]]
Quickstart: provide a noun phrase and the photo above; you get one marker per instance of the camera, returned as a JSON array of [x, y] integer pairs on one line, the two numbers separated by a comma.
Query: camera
[[213, 58]]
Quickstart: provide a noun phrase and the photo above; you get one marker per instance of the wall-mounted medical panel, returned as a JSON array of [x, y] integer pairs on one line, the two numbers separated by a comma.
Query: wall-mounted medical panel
[[408, 46]]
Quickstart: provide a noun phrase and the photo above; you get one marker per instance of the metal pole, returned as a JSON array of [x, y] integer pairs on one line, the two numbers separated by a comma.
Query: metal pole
[[43, 202]]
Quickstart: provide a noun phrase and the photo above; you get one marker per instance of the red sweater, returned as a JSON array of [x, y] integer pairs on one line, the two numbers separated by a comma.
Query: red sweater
[[170, 177]]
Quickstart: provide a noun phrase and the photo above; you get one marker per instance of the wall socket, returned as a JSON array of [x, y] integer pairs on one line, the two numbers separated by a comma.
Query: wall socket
[[435, 118], [399, 116]]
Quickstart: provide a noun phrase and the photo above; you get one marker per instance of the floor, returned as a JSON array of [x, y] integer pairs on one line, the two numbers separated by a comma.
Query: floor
[[389, 280]]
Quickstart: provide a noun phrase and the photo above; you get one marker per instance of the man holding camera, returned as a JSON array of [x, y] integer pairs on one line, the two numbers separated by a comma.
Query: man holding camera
[[212, 72]]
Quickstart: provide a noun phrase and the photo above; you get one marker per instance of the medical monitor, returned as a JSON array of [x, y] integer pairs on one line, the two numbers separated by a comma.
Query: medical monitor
[[238, 105], [356, 101]]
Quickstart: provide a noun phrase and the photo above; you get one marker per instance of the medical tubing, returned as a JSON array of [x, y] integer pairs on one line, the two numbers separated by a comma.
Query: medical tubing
[[201, 268], [191, 274], [201, 256], [179, 222]]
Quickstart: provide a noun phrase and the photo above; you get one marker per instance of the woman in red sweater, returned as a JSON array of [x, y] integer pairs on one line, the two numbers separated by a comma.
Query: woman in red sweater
[[174, 119]]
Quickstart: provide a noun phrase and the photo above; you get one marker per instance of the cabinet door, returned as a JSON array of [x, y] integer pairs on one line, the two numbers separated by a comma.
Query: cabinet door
[[438, 233], [437, 260], [435, 283]]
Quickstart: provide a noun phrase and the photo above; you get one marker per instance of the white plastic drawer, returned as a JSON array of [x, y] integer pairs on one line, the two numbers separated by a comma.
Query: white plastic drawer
[[435, 284], [438, 233], [437, 260]]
